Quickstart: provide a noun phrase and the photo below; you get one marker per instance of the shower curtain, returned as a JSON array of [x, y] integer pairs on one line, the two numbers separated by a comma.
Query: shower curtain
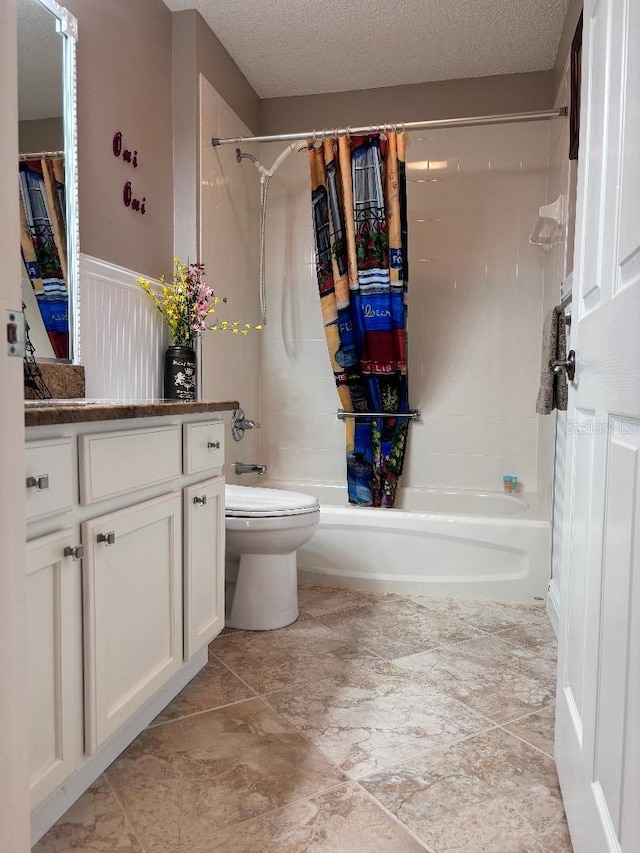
[[358, 196], [43, 240]]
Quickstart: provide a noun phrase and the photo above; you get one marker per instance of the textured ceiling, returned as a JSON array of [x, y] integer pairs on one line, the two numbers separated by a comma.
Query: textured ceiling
[[302, 47], [39, 63]]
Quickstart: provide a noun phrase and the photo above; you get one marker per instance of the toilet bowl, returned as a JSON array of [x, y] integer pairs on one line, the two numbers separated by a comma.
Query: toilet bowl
[[264, 529]]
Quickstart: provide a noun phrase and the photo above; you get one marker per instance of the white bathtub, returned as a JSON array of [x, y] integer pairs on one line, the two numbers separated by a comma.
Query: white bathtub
[[441, 542]]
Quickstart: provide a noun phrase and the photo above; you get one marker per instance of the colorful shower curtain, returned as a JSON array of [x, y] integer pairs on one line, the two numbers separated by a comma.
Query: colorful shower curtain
[[360, 221], [43, 240]]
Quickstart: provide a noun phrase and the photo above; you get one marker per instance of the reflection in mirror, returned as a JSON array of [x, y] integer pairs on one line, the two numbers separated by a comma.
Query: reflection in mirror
[[47, 176]]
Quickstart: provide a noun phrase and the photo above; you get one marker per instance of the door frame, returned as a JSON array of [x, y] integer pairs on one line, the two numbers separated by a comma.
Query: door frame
[[14, 788]]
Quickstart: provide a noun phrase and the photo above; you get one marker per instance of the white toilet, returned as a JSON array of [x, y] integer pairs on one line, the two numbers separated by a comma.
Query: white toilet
[[265, 528]]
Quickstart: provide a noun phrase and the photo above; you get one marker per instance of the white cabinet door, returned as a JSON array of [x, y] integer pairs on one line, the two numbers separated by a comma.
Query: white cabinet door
[[203, 563], [132, 610], [54, 662]]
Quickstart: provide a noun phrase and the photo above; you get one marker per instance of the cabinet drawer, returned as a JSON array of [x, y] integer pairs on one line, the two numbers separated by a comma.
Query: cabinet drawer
[[50, 472], [203, 446], [114, 463]]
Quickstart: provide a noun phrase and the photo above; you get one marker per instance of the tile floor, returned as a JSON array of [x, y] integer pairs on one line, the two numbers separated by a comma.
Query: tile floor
[[377, 723]]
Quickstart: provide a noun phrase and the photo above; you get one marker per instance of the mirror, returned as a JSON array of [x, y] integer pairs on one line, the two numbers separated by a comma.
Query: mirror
[[47, 173]]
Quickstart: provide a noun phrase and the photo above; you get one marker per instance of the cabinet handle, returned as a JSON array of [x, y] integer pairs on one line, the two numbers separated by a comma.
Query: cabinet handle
[[213, 445], [201, 500], [107, 538], [76, 552], [40, 483]]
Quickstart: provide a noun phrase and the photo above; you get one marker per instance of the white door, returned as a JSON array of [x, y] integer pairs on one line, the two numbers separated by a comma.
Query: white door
[[598, 717], [132, 610], [203, 564]]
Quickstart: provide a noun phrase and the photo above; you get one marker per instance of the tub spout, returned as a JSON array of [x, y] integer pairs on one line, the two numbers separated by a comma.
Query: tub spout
[[243, 468]]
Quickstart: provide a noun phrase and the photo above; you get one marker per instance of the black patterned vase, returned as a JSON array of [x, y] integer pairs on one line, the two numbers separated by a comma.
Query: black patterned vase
[[180, 374]]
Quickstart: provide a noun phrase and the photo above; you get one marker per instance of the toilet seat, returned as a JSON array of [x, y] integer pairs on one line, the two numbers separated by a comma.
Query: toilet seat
[[259, 502]]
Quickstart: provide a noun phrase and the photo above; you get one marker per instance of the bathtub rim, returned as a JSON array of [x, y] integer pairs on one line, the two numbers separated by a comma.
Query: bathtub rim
[[537, 511]]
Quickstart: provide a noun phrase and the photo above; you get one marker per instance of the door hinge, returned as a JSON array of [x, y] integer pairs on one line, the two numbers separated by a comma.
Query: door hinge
[[15, 334]]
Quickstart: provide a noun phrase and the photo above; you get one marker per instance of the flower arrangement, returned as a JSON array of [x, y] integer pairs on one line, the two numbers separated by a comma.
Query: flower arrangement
[[187, 302]]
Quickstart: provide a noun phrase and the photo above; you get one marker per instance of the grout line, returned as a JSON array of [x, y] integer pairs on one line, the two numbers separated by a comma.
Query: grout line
[[524, 716], [235, 674], [200, 713], [395, 819], [526, 743], [125, 814]]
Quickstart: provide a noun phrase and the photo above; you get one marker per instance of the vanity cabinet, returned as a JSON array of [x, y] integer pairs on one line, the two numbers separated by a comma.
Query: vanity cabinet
[[125, 586]]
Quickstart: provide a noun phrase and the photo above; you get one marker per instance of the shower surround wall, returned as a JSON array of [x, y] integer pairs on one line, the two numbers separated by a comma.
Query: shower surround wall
[[475, 315], [229, 216]]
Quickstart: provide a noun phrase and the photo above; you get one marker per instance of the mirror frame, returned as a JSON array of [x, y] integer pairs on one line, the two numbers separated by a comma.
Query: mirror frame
[[67, 26]]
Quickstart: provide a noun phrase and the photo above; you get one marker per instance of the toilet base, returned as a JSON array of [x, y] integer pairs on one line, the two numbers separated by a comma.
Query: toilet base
[[263, 595]]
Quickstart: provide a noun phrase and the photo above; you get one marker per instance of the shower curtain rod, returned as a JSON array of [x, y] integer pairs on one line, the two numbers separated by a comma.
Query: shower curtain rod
[[42, 155], [473, 121]]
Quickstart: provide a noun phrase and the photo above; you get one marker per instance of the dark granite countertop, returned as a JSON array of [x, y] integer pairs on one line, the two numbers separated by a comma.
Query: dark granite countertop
[[45, 412]]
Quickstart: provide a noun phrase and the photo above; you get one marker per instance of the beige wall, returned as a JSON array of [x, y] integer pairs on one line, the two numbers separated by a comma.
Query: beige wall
[[196, 52], [230, 196], [45, 134], [443, 99], [124, 83], [14, 795], [213, 61]]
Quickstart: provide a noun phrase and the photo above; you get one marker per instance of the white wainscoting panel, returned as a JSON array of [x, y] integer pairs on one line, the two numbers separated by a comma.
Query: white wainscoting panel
[[122, 335]]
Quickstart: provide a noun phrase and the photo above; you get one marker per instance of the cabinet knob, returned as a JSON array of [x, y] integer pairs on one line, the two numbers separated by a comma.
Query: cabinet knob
[[107, 538], [40, 483], [213, 445], [76, 552], [201, 500]]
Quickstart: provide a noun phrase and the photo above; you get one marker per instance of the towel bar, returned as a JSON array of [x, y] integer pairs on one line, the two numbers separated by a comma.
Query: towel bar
[[412, 414]]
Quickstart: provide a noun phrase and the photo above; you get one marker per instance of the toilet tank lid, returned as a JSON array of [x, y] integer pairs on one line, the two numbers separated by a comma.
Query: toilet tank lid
[[250, 500]]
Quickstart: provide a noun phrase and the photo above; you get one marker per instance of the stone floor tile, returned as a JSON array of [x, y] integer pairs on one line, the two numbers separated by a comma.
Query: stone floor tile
[[374, 717], [305, 651], [341, 820], [320, 600], [489, 793], [494, 677], [488, 616], [204, 773], [393, 629], [94, 824]]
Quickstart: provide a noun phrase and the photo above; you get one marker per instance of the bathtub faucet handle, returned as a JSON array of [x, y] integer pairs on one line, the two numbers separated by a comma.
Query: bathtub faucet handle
[[239, 424]]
